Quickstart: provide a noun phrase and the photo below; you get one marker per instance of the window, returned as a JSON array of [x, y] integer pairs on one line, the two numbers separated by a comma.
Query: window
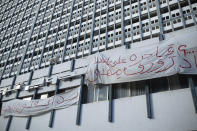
[[177, 82], [128, 89], [44, 96], [194, 78], [121, 90], [159, 84], [94, 93], [27, 98], [50, 94], [102, 93]]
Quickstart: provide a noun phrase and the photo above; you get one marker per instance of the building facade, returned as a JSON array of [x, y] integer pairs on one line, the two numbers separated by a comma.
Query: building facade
[[45, 42]]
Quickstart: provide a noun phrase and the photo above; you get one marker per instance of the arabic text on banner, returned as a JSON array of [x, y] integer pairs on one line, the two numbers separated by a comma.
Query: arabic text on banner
[[19, 107], [177, 55]]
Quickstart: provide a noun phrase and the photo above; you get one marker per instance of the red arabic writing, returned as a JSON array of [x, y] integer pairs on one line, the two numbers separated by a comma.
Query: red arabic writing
[[159, 60], [55, 101]]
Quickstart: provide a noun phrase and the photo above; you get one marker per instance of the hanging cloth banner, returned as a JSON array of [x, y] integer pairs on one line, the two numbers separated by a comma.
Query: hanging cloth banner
[[19, 107], [176, 55]]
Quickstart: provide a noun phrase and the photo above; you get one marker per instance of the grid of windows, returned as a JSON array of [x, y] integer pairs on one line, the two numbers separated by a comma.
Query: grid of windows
[[34, 31], [95, 93], [100, 92]]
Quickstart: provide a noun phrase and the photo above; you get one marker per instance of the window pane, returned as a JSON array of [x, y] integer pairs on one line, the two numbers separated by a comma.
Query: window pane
[[125, 90], [51, 93], [194, 77], [121, 90], [195, 82], [96, 92], [178, 82], [85, 94], [116, 91], [137, 88], [0, 106], [159, 84], [174, 82], [102, 93], [27, 98], [90, 94], [183, 81], [44, 96]]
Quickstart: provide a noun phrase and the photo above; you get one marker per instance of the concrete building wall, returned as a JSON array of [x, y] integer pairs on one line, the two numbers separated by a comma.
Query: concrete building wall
[[38, 25]]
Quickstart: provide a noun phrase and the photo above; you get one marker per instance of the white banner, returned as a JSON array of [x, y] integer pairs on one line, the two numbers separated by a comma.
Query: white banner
[[144, 61], [19, 107]]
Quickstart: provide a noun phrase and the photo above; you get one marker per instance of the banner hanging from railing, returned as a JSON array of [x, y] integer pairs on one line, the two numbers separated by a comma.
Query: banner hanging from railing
[[144, 61], [19, 107]]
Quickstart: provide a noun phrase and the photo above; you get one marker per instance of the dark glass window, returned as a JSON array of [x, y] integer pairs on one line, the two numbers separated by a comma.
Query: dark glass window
[[178, 82], [137, 88], [194, 78], [121, 90], [0, 105], [159, 84]]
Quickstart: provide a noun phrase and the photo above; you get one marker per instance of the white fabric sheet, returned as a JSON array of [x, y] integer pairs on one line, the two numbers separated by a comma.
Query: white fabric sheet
[[144, 61], [19, 107]]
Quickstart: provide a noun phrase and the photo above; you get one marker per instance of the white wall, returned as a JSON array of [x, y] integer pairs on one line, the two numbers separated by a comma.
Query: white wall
[[173, 111]]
